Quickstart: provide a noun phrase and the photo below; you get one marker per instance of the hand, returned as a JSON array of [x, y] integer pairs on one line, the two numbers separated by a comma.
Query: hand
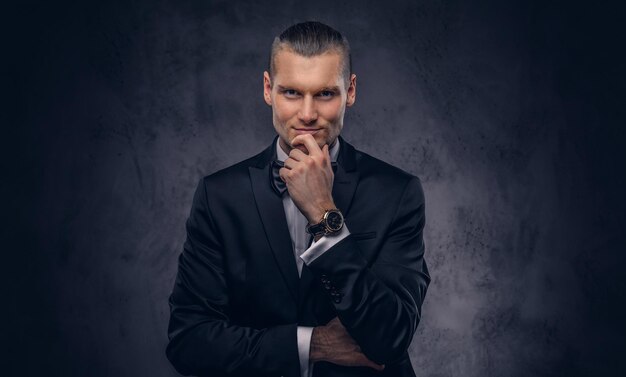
[[309, 178], [332, 343]]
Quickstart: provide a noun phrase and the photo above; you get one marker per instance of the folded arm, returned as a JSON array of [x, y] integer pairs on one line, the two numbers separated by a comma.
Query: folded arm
[[379, 302]]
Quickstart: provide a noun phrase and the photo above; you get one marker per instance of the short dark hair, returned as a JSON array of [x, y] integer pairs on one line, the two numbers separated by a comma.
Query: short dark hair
[[313, 38]]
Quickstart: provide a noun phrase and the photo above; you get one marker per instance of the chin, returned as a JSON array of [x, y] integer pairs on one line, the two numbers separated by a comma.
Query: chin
[[319, 139], [301, 148]]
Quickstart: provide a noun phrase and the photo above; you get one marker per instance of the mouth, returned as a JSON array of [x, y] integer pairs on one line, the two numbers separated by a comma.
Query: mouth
[[303, 131]]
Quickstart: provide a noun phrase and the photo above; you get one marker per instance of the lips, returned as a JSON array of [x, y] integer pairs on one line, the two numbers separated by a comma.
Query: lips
[[311, 131]]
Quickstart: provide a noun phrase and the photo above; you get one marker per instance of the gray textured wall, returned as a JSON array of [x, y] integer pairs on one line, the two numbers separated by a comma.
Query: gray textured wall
[[506, 110]]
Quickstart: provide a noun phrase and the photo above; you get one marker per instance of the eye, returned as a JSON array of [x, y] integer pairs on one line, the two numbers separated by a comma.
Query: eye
[[290, 93], [327, 94]]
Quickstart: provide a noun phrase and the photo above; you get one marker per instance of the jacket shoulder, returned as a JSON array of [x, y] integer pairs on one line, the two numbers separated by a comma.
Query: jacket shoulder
[[233, 177], [371, 167]]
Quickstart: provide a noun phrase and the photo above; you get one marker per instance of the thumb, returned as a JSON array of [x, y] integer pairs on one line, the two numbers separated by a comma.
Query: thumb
[[373, 365], [377, 367]]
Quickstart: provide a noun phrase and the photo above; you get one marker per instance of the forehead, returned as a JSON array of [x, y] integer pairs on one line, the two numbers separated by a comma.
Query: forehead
[[291, 69]]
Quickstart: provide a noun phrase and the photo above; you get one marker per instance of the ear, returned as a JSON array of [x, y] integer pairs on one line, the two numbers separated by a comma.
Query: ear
[[351, 97], [267, 88]]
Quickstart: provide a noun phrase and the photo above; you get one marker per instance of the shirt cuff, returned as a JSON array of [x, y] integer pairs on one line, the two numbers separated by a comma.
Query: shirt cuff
[[323, 245], [304, 348]]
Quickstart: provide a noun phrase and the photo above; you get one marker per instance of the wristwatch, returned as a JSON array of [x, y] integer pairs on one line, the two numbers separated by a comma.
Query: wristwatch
[[332, 222]]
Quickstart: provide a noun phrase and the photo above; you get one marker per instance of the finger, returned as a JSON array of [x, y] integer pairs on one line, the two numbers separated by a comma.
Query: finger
[[297, 154], [282, 173], [309, 143], [326, 153], [290, 163]]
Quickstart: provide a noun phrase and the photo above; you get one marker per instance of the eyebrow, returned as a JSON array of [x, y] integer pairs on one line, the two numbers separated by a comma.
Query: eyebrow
[[328, 88]]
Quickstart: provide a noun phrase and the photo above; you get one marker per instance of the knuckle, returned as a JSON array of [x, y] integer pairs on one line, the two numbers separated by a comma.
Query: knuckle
[[320, 161]]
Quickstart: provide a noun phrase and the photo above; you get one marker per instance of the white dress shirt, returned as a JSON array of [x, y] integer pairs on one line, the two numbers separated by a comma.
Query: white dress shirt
[[300, 240]]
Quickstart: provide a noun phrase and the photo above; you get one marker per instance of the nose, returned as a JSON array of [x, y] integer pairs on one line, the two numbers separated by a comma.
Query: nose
[[307, 113]]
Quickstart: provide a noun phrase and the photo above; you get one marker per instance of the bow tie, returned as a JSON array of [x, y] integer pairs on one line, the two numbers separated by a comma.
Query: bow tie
[[277, 183]]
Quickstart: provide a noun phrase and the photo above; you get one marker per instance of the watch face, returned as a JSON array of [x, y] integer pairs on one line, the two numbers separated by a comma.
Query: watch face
[[334, 220]]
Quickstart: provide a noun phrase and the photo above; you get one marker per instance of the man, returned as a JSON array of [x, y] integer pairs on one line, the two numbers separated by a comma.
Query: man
[[306, 259]]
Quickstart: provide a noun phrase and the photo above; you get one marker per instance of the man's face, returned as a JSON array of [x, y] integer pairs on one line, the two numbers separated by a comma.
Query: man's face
[[308, 95]]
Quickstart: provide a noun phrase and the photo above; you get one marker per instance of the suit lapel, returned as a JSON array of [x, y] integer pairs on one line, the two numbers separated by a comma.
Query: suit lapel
[[346, 177], [272, 214]]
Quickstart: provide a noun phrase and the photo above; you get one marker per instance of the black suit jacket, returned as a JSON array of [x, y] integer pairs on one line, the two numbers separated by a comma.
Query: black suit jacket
[[238, 300]]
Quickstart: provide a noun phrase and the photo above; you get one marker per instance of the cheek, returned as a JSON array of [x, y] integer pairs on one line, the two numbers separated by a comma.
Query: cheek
[[331, 111], [284, 110]]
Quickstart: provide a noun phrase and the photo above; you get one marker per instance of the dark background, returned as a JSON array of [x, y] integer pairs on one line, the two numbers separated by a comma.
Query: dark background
[[511, 113]]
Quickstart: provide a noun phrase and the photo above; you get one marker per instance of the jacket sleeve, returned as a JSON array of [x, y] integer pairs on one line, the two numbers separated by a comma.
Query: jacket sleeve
[[202, 339], [379, 301]]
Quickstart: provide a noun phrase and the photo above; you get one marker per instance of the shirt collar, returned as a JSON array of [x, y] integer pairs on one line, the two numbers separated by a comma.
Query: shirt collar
[[282, 156]]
